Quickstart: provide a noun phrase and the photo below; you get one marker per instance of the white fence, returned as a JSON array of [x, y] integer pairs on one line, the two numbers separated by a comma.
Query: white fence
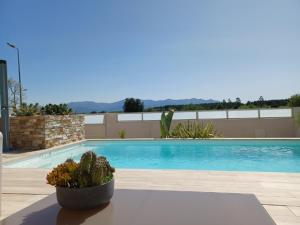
[[94, 119], [194, 115]]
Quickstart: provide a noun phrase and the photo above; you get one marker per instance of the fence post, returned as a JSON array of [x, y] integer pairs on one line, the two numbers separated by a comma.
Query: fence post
[[197, 115], [258, 113], [105, 125], [227, 114], [293, 112]]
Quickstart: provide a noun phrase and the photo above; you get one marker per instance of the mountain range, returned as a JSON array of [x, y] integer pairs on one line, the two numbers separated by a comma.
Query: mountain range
[[90, 106]]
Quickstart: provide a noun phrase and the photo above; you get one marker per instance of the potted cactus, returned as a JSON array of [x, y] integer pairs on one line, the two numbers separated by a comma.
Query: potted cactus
[[84, 185]]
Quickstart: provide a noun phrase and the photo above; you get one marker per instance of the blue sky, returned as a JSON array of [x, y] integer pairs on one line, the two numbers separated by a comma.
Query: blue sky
[[107, 50]]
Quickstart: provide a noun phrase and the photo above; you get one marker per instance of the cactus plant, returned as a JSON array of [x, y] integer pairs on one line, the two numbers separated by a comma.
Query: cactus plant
[[90, 171], [165, 123], [86, 166]]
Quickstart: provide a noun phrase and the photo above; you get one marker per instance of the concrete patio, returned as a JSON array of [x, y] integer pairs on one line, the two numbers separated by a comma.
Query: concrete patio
[[279, 193]]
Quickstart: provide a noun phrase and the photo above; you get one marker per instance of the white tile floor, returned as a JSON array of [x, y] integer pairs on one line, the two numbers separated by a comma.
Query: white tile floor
[[279, 193]]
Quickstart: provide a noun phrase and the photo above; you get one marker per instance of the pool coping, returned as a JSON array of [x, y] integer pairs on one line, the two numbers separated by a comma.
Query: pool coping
[[20, 155]]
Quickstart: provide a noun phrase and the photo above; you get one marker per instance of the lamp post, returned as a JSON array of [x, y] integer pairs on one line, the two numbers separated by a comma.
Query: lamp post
[[19, 70], [4, 105]]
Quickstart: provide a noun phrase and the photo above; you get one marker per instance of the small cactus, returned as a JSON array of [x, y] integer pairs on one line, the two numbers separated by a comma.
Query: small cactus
[[102, 171], [87, 162]]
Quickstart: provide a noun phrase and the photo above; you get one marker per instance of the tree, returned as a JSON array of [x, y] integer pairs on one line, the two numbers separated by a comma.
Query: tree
[[237, 103], [294, 101], [261, 101], [14, 95], [133, 105], [238, 100]]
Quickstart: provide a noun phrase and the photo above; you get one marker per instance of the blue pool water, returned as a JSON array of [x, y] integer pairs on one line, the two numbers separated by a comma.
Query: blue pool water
[[227, 155]]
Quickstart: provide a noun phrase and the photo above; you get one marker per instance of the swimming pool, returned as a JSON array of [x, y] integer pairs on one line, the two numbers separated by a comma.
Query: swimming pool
[[226, 155]]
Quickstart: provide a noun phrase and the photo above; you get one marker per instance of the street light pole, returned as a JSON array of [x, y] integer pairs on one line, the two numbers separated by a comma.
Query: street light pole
[[19, 71], [20, 82]]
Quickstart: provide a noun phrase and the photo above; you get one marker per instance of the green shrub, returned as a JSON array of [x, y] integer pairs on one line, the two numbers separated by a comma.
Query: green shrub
[[28, 110], [194, 130], [122, 134], [90, 171], [294, 101], [53, 109], [50, 109]]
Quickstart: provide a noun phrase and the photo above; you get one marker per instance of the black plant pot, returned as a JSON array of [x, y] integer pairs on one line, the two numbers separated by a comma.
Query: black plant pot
[[85, 198]]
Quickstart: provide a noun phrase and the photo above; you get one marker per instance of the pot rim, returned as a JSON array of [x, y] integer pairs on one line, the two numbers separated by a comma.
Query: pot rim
[[112, 180]]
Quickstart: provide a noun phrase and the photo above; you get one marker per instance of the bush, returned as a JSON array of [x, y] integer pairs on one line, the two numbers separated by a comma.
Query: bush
[[90, 171], [122, 134], [53, 109], [35, 109], [28, 110], [194, 130], [294, 101]]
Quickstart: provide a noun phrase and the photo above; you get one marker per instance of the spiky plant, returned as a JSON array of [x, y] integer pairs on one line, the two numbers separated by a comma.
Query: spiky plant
[[165, 123], [28, 110], [194, 130], [86, 167]]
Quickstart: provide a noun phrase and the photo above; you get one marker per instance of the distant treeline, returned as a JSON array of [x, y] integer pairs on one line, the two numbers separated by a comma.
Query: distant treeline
[[237, 104], [137, 105]]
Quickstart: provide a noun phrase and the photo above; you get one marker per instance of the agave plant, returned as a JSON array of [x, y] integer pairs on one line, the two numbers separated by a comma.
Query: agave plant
[[165, 123], [28, 110], [194, 130]]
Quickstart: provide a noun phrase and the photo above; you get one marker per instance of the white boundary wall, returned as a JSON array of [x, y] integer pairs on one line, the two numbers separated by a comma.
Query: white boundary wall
[[230, 123]]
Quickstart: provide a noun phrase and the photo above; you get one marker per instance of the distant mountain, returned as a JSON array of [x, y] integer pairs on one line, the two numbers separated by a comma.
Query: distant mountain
[[89, 106]]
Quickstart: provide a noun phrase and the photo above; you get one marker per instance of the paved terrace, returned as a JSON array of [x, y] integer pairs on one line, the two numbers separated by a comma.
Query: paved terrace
[[279, 193]]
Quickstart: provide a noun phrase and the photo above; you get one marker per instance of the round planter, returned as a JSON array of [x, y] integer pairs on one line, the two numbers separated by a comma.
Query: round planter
[[85, 198]]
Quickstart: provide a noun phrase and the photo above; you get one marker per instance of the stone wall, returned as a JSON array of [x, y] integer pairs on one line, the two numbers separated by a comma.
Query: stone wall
[[40, 132], [61, 130]]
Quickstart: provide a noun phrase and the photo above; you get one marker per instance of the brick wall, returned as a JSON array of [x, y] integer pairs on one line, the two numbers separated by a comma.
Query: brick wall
[[39, 132]]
